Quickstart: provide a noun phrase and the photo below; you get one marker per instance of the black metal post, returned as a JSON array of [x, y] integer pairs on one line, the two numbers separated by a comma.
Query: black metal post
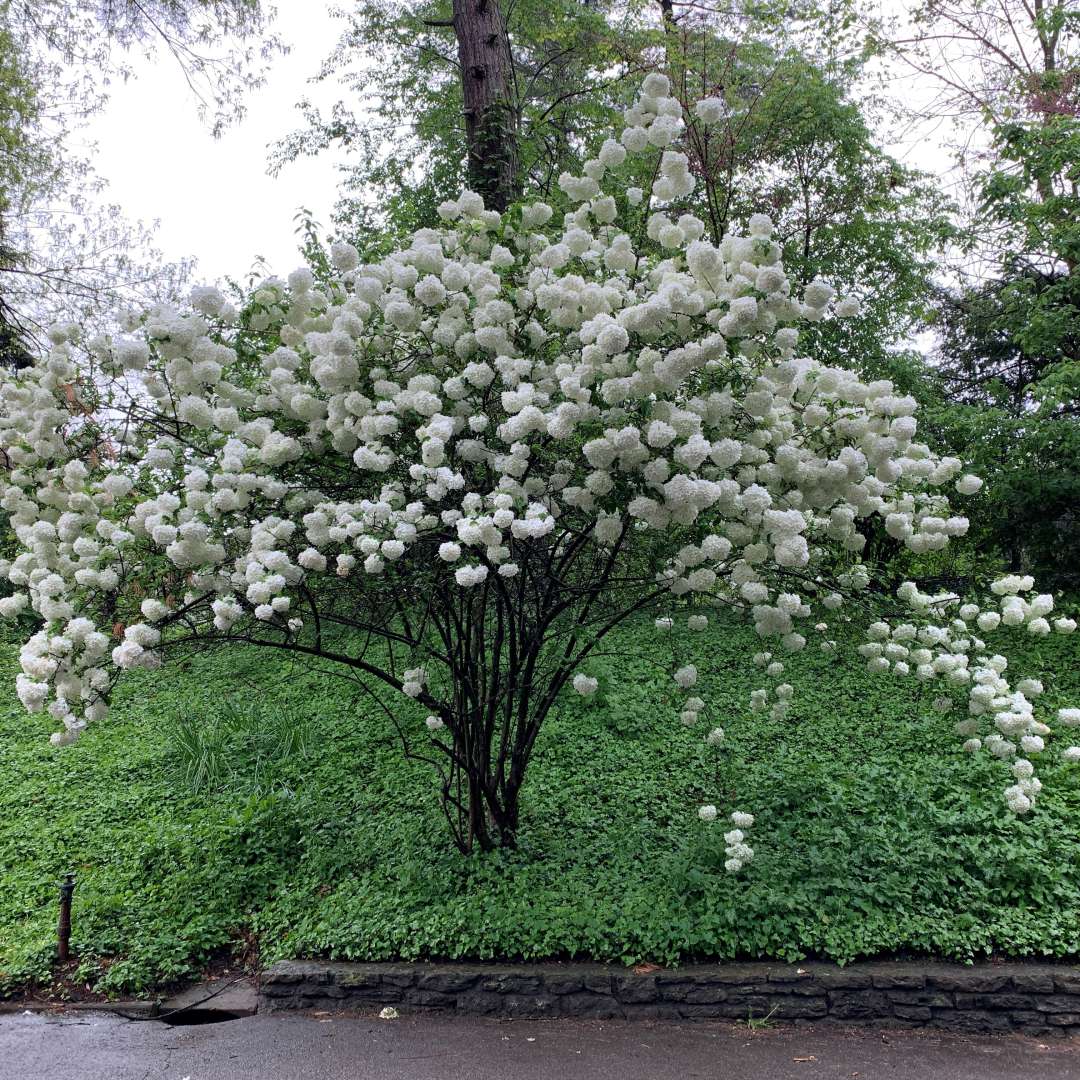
[[63, 929]]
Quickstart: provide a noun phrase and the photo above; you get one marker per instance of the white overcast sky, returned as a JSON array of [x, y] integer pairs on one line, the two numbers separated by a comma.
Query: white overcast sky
[[213, 198]]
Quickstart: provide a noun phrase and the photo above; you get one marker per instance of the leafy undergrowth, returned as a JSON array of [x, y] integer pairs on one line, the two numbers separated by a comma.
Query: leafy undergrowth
[[194, 819]]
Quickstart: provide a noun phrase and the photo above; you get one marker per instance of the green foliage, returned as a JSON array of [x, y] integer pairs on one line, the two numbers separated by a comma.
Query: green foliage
[[1033, 195], [804, 153], [25, 160], [875, 833], [1009, 357], [1028, 514], [1009, 354]]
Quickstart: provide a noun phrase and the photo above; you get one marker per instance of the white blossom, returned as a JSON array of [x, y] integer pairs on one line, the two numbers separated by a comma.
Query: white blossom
[[585, 685]]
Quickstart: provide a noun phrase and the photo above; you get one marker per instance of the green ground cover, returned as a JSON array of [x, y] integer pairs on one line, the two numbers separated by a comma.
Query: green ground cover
[[237, 797]]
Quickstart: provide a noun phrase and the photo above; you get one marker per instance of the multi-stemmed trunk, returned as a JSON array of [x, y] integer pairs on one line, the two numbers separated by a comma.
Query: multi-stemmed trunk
[[499, 706], [490, 818], [510, 648]]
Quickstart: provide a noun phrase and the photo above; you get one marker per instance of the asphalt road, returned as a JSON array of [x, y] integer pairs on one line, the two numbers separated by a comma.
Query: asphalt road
[[99, 1046]]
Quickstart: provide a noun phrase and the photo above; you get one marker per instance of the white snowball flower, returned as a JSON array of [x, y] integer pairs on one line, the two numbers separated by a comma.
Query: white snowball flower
[[449, 552], [469, 576], [711, 110], [344, 256], [686, 676], [585, 685]]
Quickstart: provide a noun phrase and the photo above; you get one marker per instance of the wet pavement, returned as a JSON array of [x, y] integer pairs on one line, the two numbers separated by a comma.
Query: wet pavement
[[102, 1046]]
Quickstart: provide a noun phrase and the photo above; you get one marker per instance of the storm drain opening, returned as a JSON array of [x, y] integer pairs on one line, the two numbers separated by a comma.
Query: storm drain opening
[[193, 1017]]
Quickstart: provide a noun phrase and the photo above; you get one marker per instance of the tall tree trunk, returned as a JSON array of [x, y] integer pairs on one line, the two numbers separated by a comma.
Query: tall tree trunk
[[490, 116]]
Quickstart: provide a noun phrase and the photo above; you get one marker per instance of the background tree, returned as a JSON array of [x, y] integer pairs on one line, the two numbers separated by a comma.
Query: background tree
[[794, 138], [796, 141], [65, 253], [403, 121], [1009, 75]]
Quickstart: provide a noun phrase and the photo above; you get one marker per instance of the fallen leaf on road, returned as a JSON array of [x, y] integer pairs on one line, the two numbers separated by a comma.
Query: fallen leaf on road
[[645, 969], [389, 1013]]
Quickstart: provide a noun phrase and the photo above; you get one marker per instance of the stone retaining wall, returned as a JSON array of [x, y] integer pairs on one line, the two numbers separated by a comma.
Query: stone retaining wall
[[1036, 999]]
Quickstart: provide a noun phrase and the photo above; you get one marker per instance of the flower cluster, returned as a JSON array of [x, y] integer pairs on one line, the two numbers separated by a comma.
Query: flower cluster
[[940, 643], [737, 850]]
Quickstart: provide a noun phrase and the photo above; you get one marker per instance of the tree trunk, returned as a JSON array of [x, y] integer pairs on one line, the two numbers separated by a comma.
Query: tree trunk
[[487, 809], [490, 117]]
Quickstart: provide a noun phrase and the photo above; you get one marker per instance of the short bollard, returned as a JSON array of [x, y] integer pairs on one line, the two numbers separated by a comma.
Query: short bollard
[[63, 929]]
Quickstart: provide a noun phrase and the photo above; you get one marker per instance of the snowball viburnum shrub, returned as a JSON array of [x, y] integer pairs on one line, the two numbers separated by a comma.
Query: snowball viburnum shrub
[[456, 469]]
